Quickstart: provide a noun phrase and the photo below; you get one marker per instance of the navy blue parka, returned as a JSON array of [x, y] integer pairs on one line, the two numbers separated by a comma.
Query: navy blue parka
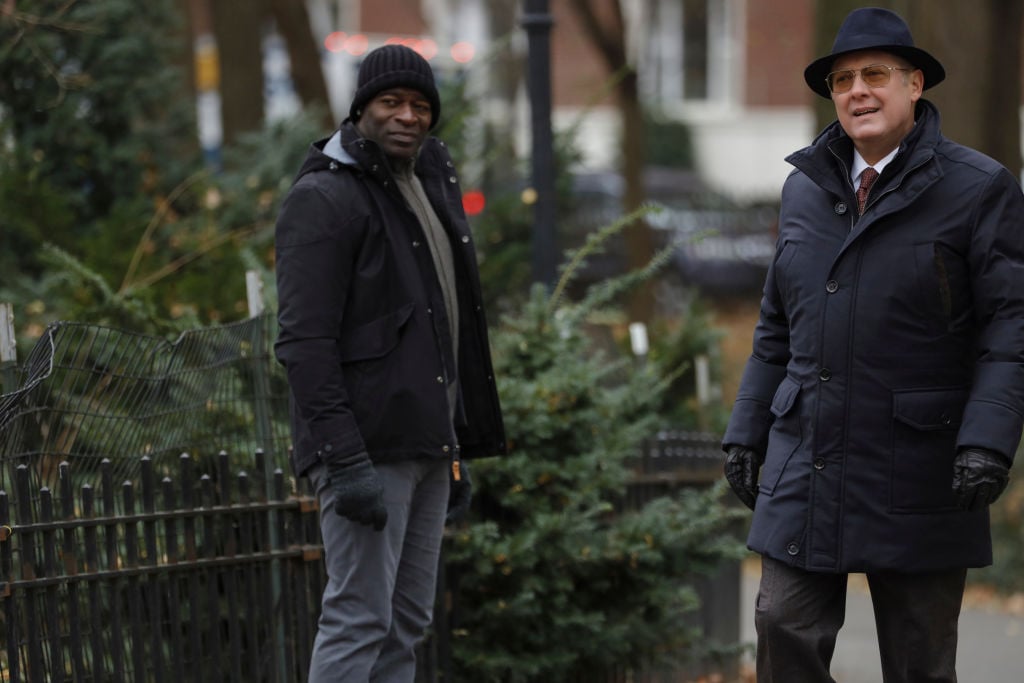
[[363, 330], [885, 343]]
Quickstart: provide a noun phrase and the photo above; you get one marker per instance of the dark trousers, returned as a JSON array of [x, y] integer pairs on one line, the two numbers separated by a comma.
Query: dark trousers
[[799, 613]]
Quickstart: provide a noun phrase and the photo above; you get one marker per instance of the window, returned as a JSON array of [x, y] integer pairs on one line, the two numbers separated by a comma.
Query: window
[[689, 55]]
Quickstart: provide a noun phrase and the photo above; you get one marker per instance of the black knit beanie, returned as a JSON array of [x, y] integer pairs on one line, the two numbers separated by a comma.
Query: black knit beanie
[[395, 66]]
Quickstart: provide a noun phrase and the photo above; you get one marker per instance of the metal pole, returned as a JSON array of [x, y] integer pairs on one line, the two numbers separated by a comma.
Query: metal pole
[[265, 433], [537, 21], [8, 350]]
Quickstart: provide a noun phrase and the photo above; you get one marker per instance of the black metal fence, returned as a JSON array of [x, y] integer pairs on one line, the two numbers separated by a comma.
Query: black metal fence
[[203, 576], [198, 578]]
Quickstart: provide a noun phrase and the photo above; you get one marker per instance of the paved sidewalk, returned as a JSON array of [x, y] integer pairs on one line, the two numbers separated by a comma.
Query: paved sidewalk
[[991, 646]]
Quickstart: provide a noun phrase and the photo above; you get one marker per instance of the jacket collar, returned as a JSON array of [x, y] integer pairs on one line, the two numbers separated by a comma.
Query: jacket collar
[[827, 160]]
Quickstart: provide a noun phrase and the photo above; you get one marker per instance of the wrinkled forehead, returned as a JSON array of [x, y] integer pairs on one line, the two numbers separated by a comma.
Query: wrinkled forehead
[[862, 58]]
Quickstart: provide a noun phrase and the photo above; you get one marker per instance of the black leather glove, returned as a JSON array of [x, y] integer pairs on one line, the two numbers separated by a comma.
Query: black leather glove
[[979, 476], [460, 493], [741, 468], [358, 494]]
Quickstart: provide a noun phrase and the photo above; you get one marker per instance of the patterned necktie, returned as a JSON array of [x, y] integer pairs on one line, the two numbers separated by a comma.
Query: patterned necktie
[[867, 178]]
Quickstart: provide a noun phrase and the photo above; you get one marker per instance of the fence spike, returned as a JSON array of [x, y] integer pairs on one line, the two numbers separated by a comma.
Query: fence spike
[[224, 478]]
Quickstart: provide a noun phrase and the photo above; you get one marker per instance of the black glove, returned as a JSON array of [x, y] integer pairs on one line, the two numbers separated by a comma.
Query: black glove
[[741, 467], [460, 493], [358, 494], [979, 476]]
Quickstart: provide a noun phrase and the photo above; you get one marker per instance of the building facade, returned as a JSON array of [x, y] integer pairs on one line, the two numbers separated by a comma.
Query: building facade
[[729, 69]]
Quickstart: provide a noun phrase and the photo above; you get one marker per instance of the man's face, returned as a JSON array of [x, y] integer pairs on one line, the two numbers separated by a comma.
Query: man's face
[[877, 118], [398, 120]]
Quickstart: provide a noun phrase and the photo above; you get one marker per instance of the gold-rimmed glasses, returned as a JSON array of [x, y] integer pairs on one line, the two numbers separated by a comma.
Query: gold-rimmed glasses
[[874, 75]]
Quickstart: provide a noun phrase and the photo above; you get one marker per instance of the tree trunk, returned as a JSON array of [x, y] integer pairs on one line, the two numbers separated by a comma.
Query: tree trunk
[[304, 54], [186, 62], [979, 44], [639, 239], [238, 28], [609, 37]]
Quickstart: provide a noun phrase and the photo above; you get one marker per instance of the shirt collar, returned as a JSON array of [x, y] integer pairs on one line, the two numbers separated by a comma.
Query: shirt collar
[[859, 165]]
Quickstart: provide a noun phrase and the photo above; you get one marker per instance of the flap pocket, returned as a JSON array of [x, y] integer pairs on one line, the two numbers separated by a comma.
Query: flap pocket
[[785, 396], [930, 409], [376, 338]]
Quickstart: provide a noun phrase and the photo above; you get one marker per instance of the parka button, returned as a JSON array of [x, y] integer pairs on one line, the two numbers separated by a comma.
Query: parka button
[[452, 179], [333, 166], [415, 243], [831, 286], [445, 448], [465, 239], [825, 375], [840, 208], [819, 464], [440, 379], [945, 419], [792, 549]]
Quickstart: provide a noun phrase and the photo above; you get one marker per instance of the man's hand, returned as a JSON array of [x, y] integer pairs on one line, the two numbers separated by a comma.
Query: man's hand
[[460, 493], [358, 494], [979, 476], [741, 468]]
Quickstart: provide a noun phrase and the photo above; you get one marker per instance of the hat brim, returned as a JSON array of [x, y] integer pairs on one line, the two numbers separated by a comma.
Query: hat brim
[[816, 72]]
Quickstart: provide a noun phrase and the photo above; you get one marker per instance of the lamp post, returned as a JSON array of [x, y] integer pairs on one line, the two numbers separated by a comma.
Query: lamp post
[[537, 21]]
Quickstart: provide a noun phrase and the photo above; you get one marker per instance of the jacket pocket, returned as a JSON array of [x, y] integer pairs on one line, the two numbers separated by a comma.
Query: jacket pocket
[[924, 432], [376, 338], [785, 436], [361, 351]]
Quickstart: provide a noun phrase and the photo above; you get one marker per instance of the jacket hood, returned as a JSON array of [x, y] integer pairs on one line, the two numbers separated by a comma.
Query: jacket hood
[[347, 147]]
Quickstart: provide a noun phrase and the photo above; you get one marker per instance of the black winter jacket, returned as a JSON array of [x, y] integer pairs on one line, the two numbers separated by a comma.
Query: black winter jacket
[[363, 332], [885, 344]]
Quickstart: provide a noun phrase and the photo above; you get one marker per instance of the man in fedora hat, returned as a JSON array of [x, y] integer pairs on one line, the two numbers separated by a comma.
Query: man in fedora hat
[[881, 407], [383, 336]]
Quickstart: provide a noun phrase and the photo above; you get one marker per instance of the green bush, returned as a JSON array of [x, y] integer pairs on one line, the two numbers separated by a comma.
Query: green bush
[[555, 581]]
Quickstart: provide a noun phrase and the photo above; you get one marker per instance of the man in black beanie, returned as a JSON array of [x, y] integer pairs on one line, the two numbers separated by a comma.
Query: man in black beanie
[[383, 336]]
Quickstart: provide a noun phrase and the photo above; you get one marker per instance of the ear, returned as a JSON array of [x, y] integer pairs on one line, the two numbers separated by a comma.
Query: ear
[[916, 83]]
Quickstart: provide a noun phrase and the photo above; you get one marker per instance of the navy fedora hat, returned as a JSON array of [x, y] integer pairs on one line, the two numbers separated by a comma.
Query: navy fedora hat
[[873, 28]]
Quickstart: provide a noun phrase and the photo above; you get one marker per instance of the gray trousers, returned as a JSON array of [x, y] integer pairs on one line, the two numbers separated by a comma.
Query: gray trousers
[[798, 616], [379, 598]]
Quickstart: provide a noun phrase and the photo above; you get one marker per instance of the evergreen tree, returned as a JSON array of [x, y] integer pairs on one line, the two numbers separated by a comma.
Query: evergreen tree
[[94, 126], [558, 580], [107, 213]]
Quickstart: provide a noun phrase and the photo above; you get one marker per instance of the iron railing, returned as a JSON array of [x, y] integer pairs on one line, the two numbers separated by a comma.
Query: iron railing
[[195, 579]]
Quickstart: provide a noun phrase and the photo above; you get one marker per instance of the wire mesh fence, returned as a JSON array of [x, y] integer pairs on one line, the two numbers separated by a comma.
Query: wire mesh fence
[[89, 393]]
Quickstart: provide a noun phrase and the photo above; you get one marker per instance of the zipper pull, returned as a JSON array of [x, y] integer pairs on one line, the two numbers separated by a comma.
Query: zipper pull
[[456, 472]]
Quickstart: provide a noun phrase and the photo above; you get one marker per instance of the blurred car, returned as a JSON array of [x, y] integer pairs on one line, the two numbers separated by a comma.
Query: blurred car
[[723, 248]]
